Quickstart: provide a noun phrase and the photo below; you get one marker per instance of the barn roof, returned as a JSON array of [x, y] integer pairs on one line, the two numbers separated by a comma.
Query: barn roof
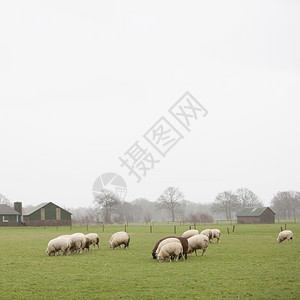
[[7, 210], [41, 206], [252, 211]]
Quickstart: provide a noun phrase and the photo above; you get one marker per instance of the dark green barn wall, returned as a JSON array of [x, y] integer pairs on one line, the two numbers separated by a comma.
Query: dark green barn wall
[[12, 220], [50, 217]]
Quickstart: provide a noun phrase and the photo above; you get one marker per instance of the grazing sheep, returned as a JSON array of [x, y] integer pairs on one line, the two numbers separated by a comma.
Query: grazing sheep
[[207, 232], [61, 243], [118, 239], [285, 235], [166, 241], [92, 238], [173, 249], [183, 241], [199, 241], [189, 233], [78, 242], [216, 233], [115, 235]]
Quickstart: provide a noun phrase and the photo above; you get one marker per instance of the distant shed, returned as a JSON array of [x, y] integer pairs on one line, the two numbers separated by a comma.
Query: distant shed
[[9, 216], [256, 215], [48, 214]]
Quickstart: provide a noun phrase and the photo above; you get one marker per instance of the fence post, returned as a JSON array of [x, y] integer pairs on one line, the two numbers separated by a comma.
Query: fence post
[[194, 226], [233, 227], [125, 228], [190, 227], [175, 229], [284, 226], [281, 228], [103, 227], [227, 230], [70, 227], [150, 229]]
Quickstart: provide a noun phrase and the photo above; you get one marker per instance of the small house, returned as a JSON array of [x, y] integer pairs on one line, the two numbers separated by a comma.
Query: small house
[[48, 214], [9, 216], [256, 215]]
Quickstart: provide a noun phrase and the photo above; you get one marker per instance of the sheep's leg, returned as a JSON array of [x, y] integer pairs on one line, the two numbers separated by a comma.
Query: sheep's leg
[[196, 252], [203, 252], [182, 257]]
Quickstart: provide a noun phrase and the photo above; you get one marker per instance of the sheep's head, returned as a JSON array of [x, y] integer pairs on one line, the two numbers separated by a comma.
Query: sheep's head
[[154, 255], [160, 259]]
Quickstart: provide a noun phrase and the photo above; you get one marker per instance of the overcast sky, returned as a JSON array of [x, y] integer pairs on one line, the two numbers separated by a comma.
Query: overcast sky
[[82, 81]]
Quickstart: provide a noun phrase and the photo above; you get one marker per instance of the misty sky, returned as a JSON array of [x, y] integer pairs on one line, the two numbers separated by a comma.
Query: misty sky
[[82, 81]]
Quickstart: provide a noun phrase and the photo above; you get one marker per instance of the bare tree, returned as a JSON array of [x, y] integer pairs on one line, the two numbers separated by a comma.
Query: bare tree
[[147, 216], [107, 201], [4, 200], [124, 212], [286, 204], [226, 202], [193, 218], [247, 198], [171, 199], [206, 218]]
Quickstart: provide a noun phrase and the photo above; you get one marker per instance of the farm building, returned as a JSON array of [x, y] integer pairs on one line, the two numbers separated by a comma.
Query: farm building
[[47, 214], [9, 216], [256, 215]]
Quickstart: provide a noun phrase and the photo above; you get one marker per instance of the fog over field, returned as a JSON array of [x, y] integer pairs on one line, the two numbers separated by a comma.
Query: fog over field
[[100, 87]]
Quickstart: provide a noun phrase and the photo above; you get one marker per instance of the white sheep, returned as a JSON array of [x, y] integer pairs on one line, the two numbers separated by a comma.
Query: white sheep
[[115, 235], [173, 249], [216, 233], [118, 239], [78, 241], [285, 235], [189, 233], [61, 243], [207, 232], [199, 241], [166, 241], [92, 238]]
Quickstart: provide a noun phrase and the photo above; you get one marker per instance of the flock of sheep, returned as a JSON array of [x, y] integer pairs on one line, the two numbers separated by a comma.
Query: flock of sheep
[[167, 248], [172, 247], [74, 243], [77, 242]]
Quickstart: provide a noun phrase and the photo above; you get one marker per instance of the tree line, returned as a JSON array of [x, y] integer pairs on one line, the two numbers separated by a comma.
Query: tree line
[[172, 205]]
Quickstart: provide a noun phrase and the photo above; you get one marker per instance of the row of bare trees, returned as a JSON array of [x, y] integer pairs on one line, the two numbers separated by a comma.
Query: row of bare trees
[[230, 202], [286, 204], [226, 204], [173, 201], [172, 205]]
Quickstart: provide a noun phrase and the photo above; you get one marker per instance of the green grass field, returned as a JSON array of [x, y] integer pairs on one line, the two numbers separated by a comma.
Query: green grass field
[[246, 264]]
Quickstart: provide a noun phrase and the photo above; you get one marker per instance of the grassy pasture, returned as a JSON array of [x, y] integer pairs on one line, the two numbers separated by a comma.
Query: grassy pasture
[[247, 264]]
